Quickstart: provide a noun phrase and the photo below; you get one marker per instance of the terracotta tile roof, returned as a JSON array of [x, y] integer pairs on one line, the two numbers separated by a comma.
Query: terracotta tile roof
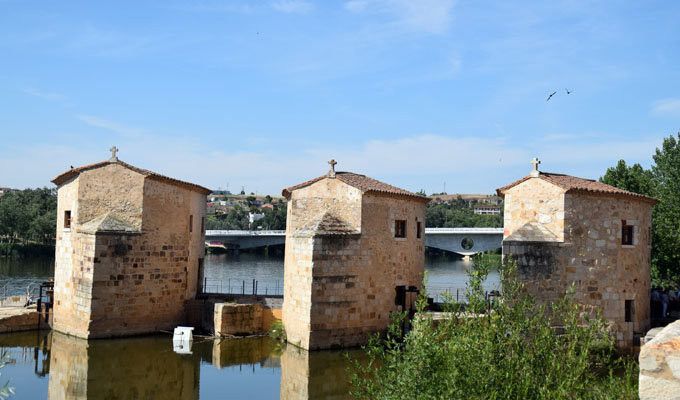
[[59, 180], [572, 184], [361, 182]]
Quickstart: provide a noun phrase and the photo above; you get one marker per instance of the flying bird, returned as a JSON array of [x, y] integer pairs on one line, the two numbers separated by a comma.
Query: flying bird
[[551, 95], [568, 92]]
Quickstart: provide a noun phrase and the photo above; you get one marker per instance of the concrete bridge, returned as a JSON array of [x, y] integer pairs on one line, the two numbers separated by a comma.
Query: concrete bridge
[[464, 241]]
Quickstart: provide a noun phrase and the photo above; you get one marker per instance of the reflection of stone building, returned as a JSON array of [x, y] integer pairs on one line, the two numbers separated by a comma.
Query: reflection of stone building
[[350, 241], [129, 249], [314, 375], [563, 230], [138, 368]]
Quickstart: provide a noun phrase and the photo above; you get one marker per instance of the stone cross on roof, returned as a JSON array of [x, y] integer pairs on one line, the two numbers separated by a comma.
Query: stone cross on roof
[[331, 172], [114, 152], [535, 172]]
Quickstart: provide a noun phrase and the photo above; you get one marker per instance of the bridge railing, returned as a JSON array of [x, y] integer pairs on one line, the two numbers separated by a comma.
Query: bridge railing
[[210, 233], [479, 231]]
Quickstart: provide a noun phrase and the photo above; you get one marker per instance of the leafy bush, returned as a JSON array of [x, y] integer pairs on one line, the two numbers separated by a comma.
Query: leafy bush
[[519, 350], [277, 332]]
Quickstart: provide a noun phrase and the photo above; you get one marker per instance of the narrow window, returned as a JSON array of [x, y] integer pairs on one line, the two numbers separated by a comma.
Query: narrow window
[[626, 233], [630, 307], [202, 224], [67, 219], [400, 228], [191, 223], [419, 229]]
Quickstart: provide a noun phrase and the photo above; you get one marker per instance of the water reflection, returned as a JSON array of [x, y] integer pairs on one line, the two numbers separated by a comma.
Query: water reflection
[[314, 375], [139, 368], [56, 366]]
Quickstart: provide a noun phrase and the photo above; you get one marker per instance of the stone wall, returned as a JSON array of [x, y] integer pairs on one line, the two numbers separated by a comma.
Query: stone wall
[[660, 365], [340, 284], [238, 319], [17, 319], [110, 188], [168, 210], [590, 256], [73, 282], [534, 211]]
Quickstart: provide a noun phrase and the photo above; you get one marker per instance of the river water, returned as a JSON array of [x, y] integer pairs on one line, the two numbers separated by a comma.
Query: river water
[[43, 365]]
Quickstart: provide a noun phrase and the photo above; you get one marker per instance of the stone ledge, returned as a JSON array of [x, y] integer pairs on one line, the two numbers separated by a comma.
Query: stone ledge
[[17, 319]]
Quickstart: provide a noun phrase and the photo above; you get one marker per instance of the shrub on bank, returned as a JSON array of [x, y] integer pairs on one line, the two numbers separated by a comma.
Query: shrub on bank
[[519, 350]]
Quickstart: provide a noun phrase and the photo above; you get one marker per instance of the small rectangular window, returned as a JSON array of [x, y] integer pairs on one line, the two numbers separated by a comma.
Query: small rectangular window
[[627, 232], [202, 224], [67, 219], [630, 310], [419, 229], [399, 228], [191, 223]]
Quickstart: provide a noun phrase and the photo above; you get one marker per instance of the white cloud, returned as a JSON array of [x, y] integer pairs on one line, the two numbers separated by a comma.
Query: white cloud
[[111, 126], [666, 107], [50, 96], [432, 16], [293, 6]]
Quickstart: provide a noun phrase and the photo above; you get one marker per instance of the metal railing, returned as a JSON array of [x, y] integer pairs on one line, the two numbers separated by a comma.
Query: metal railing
[[18, 292], [240, 287]]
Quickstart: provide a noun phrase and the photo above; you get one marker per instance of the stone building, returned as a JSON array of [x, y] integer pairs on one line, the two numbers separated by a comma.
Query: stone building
[[129, 251], [351, 241], [563, 230]]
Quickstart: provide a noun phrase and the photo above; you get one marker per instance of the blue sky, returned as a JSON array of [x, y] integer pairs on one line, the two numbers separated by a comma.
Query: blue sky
[[261, 94]]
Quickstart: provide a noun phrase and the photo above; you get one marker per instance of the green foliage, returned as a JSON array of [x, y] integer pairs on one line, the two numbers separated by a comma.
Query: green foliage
[[458, 215], [520, 350], [634, 178], [28, 216], [666, 240], [662, 182], [237, 218], [277, 332]]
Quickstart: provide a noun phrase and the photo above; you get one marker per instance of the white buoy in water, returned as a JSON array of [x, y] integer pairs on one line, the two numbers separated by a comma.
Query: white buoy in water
[[182, 339]]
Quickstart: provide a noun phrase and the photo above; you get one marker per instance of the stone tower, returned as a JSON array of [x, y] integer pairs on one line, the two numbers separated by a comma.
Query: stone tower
[[350, 242], [129, 251], [563, 230]]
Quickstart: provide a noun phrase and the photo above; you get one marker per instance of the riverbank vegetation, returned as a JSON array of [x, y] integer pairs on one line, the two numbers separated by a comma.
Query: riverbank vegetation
[[519, 350], [459, 215], [237, 218], [27, 221], [661, 181]]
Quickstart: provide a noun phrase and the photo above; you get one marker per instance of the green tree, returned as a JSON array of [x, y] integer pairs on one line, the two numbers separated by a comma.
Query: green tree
[[28, 216], [666, 231], [633, 178]]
